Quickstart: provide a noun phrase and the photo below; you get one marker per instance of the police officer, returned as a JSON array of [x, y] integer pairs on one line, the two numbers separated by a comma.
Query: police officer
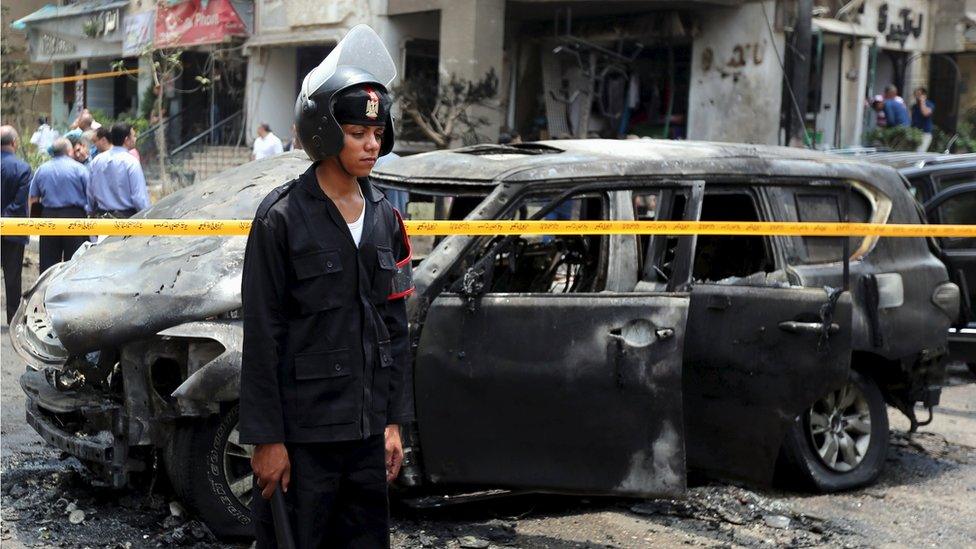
[[325, 380], [60, 186]]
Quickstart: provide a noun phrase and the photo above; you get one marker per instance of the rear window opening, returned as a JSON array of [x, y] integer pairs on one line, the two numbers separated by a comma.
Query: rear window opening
[[725, 259]]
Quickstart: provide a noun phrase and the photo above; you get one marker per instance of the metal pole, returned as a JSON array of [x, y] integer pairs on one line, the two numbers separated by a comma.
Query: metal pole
[[800, 77]]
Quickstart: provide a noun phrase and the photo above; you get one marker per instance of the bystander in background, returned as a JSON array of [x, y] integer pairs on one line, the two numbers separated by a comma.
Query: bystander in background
[[118, 186], [896, 113], [15, 175], [59, 186], [266, 144], [922, 112], [43, 136]]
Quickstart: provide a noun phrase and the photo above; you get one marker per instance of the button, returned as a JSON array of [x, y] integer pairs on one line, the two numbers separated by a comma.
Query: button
[[329, 264], [338, 367]]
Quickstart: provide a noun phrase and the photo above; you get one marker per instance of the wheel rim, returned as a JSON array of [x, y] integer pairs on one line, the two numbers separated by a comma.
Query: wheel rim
[[237, 467], [839, 427]]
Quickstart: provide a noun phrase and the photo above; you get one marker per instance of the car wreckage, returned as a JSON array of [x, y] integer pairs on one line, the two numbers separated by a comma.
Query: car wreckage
[[581, 364]]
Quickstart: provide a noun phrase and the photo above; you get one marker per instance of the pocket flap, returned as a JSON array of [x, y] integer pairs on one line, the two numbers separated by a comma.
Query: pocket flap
[[386, 354], [317, 263], [385, 259], [322, 364]]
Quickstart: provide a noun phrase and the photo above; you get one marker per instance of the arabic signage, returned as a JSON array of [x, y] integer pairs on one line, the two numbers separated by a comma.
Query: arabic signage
[[138, 33], [196, 22], [898, 27], [75, 37], [101, 23]]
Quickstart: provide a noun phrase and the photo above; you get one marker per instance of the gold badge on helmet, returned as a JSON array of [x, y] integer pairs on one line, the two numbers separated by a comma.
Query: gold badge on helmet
[[372, 104]]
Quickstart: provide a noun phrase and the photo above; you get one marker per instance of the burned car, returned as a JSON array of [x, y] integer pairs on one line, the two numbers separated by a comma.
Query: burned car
[[583, 364]]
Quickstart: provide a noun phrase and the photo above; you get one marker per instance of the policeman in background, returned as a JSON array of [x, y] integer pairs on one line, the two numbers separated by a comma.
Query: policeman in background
[[60, 186], [325, 379], [15, 175]]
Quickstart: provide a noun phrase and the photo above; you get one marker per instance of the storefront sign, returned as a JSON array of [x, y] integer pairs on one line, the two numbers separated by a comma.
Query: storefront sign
[[55, 46], [899, 28], [138, 35], [196, 22], [101, 23]]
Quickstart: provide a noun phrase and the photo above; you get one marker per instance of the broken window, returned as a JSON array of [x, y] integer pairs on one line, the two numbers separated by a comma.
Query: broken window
[[731, 259], [656, 253], [823, 203], [551, 263]]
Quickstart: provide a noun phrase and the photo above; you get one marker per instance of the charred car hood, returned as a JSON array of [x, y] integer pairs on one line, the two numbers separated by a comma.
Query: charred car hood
[[130, 287]]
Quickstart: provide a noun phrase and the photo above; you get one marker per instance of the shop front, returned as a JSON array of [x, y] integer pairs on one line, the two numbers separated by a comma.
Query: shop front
[[79, 39], [206, 98]]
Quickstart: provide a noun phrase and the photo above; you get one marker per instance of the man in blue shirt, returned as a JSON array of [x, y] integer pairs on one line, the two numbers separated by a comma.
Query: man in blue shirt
[[60, 186], [896, 113], [118, 186], [922, 112], [15, 175]]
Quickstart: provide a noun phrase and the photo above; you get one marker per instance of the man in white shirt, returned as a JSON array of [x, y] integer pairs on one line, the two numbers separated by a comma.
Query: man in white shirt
[[267, 143], [44, 136]]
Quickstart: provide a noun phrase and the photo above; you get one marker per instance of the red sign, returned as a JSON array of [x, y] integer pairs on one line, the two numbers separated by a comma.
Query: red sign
[[196, 22]]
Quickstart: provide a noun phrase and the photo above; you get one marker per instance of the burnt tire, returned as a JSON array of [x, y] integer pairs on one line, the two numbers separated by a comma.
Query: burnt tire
[[211, 473], [855, 420]]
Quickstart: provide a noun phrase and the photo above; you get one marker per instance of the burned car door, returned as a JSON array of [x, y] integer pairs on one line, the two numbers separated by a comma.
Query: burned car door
[[758, 351], [559, 377], [956, 205]]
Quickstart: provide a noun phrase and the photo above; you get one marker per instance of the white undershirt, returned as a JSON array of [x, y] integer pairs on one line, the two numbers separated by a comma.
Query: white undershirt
[[356, 227]]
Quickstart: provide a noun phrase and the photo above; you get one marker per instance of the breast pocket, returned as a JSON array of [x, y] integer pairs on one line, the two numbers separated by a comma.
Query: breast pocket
[[318, 283], [383, 275], [325, 388]]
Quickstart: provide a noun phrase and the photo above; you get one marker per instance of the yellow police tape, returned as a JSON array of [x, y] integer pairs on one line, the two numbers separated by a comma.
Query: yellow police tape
[[221, 227]]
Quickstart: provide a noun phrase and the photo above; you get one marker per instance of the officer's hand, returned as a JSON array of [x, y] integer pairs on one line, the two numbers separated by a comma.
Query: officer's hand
[[271, 466], [394, 452]]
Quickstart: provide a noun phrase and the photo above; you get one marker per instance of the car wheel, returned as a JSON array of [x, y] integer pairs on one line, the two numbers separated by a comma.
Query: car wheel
[[840, 443], [211, 471]]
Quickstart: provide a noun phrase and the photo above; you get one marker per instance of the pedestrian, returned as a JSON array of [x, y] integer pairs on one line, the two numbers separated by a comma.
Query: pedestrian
[[879, 114], [82, 150], [15, 175], [130, 144], [103, 141], [76, 138], [293, 144], [267, 143], [922, 112], [59, 186], [325, 375], [118, 186], [85, 121], [43, 136], [896, 113]]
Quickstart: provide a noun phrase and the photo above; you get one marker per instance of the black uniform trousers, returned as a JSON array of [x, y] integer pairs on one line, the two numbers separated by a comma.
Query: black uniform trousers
[[337, 497], [12, 261], [55, 249]]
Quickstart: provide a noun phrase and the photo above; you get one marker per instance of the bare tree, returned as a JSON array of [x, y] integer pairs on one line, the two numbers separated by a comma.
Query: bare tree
[[446, 115]]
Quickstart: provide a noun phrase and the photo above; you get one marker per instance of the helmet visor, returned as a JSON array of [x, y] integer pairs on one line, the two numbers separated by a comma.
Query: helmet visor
[[360, 48]]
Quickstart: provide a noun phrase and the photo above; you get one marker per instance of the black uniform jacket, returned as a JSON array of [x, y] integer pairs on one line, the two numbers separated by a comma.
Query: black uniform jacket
[[326, 355]]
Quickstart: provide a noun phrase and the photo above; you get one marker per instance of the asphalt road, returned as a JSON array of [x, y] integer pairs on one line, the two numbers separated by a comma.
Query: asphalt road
[[926, 497]]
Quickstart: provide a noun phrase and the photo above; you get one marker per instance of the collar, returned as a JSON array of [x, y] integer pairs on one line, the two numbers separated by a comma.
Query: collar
[[310, 183]]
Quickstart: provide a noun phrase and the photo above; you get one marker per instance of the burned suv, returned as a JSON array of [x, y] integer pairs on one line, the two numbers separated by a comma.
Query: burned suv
[[604, 364]]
